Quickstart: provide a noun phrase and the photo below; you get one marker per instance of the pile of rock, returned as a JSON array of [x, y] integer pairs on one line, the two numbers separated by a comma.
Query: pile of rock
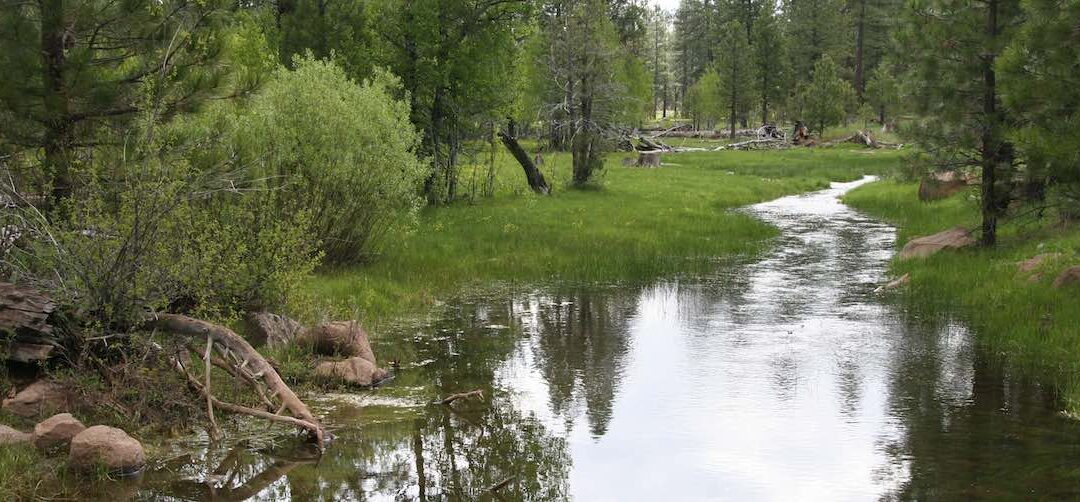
[[89, 448], [340, 339]]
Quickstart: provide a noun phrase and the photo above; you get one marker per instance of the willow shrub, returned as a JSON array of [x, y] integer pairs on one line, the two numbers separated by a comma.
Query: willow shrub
[[341, 151]]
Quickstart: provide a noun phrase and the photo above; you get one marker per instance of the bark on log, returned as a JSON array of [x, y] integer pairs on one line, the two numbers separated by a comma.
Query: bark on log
[[533, 175], [251, 361]]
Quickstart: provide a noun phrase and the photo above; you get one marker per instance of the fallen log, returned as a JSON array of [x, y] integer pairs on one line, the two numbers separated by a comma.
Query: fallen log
[[533, 175], [243, 358], [752, 144]]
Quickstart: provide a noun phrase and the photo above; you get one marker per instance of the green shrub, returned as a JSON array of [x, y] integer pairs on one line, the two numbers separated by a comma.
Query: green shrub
[[343, 152]]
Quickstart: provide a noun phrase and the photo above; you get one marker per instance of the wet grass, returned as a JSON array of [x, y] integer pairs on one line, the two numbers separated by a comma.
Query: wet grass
[[634, 224], [1034, 325]]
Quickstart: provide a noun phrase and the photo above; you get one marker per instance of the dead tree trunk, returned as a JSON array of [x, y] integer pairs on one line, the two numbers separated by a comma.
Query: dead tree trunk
[[532, 174]]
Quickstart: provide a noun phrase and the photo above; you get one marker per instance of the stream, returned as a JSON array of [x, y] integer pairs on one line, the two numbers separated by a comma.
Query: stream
[[785, 378]]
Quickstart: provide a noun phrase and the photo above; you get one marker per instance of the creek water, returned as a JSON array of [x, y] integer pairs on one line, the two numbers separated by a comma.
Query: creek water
[[785, 378]]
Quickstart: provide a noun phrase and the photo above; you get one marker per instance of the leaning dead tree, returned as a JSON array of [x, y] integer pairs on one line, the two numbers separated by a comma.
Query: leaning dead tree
[[229, 351], [533, 175]]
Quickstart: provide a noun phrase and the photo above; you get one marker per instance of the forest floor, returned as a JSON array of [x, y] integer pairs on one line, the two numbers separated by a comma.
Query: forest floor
[[1034, 325], [635, 224]]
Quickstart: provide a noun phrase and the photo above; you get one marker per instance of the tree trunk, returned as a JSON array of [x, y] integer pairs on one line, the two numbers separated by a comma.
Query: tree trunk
[[533, 175], [58, 134], [860, 27], [990, 143]]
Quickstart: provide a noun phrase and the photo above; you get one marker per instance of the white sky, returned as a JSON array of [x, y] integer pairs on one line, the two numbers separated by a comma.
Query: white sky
[[668, 5]]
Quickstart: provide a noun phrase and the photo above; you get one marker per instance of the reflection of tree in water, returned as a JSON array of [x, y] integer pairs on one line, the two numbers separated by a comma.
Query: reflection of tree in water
[[580, 341], [973, 428], [435, 452]]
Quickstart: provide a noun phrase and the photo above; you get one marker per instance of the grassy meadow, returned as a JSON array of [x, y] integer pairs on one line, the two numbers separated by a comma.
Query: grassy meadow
[[1035, 325], [635, 224]]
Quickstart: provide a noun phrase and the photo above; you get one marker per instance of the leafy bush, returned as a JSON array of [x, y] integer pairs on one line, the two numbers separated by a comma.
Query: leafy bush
[[343, 152]]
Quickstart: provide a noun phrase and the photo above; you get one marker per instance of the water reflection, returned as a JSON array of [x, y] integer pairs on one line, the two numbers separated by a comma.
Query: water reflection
[[782, 379]]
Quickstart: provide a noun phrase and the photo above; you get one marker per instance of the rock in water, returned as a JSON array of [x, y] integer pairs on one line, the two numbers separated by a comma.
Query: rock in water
[[108, 447], [346, 338], [921, 247], [13, 436], [56, 430], [355, 370], [272, 329], [39, 398], [1068, 276]]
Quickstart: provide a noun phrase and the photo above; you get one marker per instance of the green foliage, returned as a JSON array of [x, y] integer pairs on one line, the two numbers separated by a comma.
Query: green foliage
[[342, 152], [1042, 87], [74, 69], [770, 64], [638, 102], [329, 30], [703, 99], [827, 97], [815, 29], [883, 92]]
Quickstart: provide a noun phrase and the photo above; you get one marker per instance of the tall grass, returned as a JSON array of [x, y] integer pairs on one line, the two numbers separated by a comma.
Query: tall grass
[[635, 224], [1036, 326]]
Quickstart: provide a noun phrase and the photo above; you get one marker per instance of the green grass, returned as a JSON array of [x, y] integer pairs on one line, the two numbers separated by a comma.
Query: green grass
[[636, 224], [1034, 325]]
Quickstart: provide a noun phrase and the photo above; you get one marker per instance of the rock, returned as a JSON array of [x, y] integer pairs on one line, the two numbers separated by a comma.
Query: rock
[[1030, 264], [921, 247], [1068, 276], [932, 189], [106, 447], [13, 436], [40, 398], [354, 370], [346, 338], [272, 329], [902, 280], [56, 430]]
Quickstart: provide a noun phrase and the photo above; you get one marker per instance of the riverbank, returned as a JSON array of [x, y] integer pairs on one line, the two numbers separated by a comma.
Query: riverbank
[[638, 224], [1031, 323]]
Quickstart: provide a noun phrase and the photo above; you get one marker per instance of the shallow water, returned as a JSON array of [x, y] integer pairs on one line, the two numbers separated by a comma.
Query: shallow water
[[787, 378]]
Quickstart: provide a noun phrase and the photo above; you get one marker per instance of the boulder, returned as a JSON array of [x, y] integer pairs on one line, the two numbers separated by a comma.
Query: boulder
[[40, 398], [56, 430], [345, 338], [1033, 263], [354, 370], [13, 436], [1068, 276], [921, 247], [272, 329], [932, 189], [109, 447]]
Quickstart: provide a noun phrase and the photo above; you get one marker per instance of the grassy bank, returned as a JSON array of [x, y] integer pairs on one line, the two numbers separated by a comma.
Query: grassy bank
[[636, 224], [1036, 326]]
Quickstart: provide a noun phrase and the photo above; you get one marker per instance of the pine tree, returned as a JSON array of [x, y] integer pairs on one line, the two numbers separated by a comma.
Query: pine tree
[[769, 52], [814, 29], [1041, 84], [828, 96], [952, 46], [734, 71]]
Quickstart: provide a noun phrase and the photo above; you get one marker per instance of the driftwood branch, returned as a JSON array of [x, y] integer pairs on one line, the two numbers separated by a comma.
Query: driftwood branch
[[246, 359], [478, 394]]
